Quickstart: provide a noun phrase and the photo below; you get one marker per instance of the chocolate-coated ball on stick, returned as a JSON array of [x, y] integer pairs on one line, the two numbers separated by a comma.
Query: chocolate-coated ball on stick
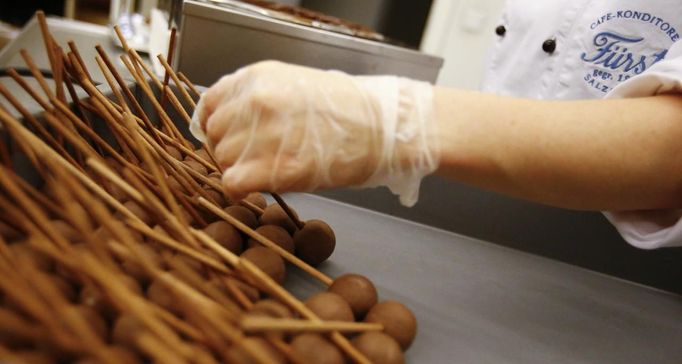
[[379, 348], [174, 152], [315, 242], [238, 353], [277, 235], [226, 235], [126, 330], [217, 196], [268, 261], [196, 166], [257, 199], [132, 267], [138, 211], [399, 322], [358, 291], [270, 308], [243, 214], [329, 307], [313, 348], [160, 294], [275, 215], [201, 152]]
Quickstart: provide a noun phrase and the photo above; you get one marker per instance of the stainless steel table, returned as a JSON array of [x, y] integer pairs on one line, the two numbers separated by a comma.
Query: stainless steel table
[[478, 302]]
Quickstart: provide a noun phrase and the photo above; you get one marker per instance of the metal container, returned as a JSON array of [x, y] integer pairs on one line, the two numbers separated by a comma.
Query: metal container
[[216, 40]]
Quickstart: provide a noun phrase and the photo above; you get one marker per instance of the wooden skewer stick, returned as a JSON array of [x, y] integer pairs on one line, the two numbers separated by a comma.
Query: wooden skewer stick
[[177, 81], [189, 84], [252, 324], [299, 224], [267, 242], [54, 59], [170, 55], [20, 80], [121, 38], [74, 49]]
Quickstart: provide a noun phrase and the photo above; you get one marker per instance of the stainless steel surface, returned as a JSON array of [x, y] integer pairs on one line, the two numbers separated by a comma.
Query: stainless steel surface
[[582, 238], [216, 40], [477, 302]]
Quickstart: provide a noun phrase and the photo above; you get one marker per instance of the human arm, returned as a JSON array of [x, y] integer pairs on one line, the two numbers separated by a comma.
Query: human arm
[[611, 154], [284, 128]]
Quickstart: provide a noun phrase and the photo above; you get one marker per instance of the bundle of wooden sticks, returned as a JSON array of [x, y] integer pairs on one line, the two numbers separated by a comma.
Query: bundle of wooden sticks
[[125, 250]]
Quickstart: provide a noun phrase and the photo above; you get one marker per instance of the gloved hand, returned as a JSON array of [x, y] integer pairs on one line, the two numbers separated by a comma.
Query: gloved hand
[[278, 127]]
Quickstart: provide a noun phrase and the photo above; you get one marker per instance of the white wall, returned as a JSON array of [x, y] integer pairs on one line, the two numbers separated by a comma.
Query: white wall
[[461, 31]]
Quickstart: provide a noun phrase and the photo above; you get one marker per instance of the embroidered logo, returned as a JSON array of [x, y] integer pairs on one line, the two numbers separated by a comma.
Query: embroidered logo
[[617, 57]]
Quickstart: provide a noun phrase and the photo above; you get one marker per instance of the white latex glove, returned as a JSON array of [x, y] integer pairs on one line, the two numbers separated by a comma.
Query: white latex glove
[[278, 127]]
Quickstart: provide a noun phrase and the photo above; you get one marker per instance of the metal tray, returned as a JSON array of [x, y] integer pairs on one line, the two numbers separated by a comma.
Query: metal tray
[[216, 40]]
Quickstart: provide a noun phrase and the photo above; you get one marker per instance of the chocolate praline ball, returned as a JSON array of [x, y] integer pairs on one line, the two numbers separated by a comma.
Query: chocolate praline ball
[[217, 197], [239, 352], [138, 211], [201, 152], [358, 291], [126, 330], [191, 163], [399, 322], [251, 293], [379, 348], [257, 199], [158, 293], [313, 348], [275, 215], [131, 266], [116, 192], [270, 308], [329, 307], [174, 152], [277, 235], [268, 261], [315, 242], [244, 215], [226, 235]]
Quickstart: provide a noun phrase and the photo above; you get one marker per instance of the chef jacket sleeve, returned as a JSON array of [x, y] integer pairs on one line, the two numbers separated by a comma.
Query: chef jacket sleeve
[[662, 228]]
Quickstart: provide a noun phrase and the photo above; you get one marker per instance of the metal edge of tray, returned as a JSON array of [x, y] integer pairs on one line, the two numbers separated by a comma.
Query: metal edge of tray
[[271, 25], [12, 47]]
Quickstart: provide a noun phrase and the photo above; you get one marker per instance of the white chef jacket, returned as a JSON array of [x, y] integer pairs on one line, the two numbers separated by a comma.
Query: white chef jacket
[[589, 49]]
